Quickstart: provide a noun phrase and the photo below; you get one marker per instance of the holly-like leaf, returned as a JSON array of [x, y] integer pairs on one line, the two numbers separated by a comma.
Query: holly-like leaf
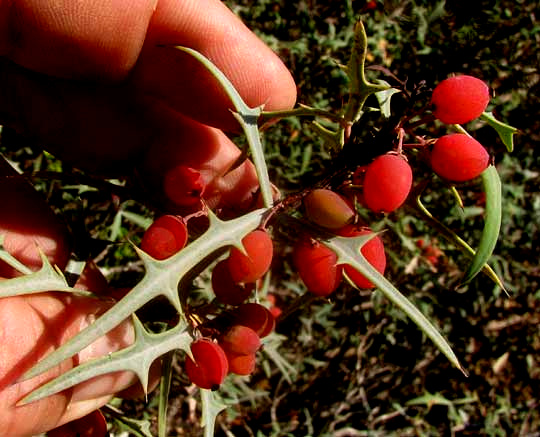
[[247, 117], [505, 131], [384, 98], [137, 358], [47, 278], [492, 222], [212, 405], [348, 252], [164, 390], [360, 89], [161, 279]]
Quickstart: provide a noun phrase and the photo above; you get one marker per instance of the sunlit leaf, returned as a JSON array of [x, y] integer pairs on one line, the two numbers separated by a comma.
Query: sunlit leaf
[[348, 252], [247, 117], [492, 222], [505, 131], [212, 405], [161, 279]]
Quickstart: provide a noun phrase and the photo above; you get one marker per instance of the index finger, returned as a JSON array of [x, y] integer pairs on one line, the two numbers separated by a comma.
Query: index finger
[[111, 39]]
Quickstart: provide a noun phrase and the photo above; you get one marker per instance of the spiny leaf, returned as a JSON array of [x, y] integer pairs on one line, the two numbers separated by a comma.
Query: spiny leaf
[[492, 223], [505, 131], [212, 405], [136, 358], [161, 279], [348, 252], [360, 88], [384, 98], [452, 237], [164, 390], [247, 117], [47, 278]]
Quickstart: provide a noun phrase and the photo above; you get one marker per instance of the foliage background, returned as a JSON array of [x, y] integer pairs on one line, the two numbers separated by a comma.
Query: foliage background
[[358, 367]]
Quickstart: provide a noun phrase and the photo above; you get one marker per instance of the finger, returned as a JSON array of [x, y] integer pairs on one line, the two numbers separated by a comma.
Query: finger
[[122, 132], [30, 328], [104, 39], [101, 38], [206, 149], [178, 79], [26, 223]]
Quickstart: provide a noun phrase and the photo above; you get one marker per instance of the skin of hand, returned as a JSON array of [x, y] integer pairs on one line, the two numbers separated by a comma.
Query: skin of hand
[[98, 85]]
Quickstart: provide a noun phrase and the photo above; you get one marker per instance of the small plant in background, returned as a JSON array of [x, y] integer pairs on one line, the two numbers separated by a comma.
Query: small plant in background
[[321, 223]]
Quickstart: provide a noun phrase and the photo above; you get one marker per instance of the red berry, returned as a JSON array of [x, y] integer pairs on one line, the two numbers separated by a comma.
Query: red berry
[[387, 183], [91, 425], [184, 185], [210, 366], [373, 252], [328, 209], [274, 309], [250, 267], [460, 99], [256, 317], [226, 290], [165, 237], [240, 340], [458, 157], [316, 265], [241, 364]]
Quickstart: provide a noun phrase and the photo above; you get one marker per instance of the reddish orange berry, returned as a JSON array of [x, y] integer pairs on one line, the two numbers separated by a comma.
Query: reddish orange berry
[[458, 157], [316, 265], [460, 99], [328, 209], [373, 252], [256, 317], [210, 366], [241, 364], [165, 237], [387, 183], [241, 340], [259, 249], [184, 185], [226, 290]]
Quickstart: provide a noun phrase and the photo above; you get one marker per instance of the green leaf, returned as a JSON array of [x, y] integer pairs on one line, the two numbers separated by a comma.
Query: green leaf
[[348, 252], [247, 117], [492, 223], [212, 405], [164, 390], [505, 131], [360, 88], [452, 237], [47, 278], [137, 358], [271, 344], [161, 279], [384, 97]]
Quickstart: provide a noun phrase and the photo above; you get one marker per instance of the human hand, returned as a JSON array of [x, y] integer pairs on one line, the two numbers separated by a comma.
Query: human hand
[[94, 87]]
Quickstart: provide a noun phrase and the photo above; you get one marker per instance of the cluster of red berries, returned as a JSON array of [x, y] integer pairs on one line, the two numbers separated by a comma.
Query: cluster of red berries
[[233, 280], [385, 185], [316, 263], [457, 100], [233, 351]]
